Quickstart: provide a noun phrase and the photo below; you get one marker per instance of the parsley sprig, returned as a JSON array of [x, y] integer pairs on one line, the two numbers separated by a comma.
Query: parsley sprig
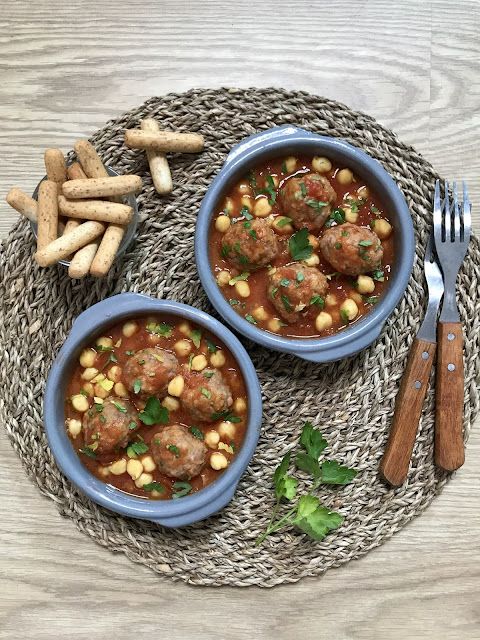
[[307, 514], [300, 247]]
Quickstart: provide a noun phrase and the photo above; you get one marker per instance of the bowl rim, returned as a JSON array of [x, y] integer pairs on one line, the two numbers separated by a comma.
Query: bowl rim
[[129, 236], [172, 512], [270, 143]]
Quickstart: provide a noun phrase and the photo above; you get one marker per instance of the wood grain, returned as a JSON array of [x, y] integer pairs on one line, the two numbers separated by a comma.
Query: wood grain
[[66, 68]]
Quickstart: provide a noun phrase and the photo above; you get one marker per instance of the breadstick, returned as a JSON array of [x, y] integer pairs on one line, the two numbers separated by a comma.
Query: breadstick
[[47, 213], [108, 250], [90, 160], [65, 245], [164, 141], [75, 172], [96, 210], [81, 261], [24, 204], [102, 187], [56, 167], [159, 169]]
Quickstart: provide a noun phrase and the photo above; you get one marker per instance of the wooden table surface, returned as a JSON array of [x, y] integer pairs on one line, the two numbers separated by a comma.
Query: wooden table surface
[[65, 68]]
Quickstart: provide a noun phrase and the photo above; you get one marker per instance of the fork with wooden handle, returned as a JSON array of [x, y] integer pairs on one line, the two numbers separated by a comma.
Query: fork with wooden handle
[[452, 235], [408, 408]]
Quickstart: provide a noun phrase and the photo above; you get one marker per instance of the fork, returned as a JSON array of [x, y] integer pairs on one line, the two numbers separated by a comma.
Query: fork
[[408, 407], [452, 235]]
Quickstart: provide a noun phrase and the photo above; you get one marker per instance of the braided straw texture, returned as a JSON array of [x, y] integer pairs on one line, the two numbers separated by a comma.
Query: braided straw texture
[[352, 401]]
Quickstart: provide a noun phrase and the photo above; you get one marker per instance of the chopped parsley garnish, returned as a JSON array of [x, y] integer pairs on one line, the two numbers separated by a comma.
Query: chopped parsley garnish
[[141, 362], [98, 407], [269, 190], [225, 251], [119, 406], [232, 444], [242, 276], [154, 413], [300, 248], [196, 336], [374, 209], [343, 313], [84, 393], [245, 213], [284, 282], [316, 206], [226, 212], [90, 413], [135, 449], [344, 233], [354, 204], [274, 291], [89, 453], [103, 349], [206, 392], [130, 353], [286, 303], [111, 358], [211, 347], [237, 248], [154, 486], [318, 301], [184, 489], [250, 318], [372, 224], [103, 419], [300, 278], [196, 432], [284, 167], [365, 243], [233, 302], [174, 449], [337, 245], [353, 283], [190, 362], [283, 222], [137, 385], [369, 300], [252, 179], [118, 343], [247, 224], [253, 233], [132, 425], [161, 329], [303, 189], [228, 416], [208, 374], [377, 274], [335, 274]]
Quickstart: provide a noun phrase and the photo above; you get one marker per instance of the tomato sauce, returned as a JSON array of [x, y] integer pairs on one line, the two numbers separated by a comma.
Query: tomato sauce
[[355, 198], [89, 392]]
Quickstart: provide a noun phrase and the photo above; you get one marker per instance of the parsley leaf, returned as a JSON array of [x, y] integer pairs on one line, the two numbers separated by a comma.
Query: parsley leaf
[[250, 318], [196, 432], [303, 189], [300, 248], [245, 213], [286, 303], [137, 385], [119, 406], [225, 250], [101, 349], [206, 392], [228, 416], [196, 336], [154, 486], [284, 282], [134, 449], [89, 453], [174, 449], [184, 487], [130, 353], [333, 473], [377, 274], [316, 206], [161, 329], [154, 413], [315, 520], [284, 167], [283, 222], [343, 313], [211, 347], [318, 301], [285, 486], [242, 276]]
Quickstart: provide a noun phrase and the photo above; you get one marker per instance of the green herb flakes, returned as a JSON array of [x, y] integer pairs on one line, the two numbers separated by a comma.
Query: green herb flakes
[[283, 222], [137, 385], [89, 453], [242, 276], [303, 189], [184, 487], [337, 245], [211, 347], [377, 274], [174, 449], [154, 486], [132, 425], [343, 313], [130, 353], [300, 248], [253, 233], [206, 393], [250, 318], [119, 406], [196, 432], [103, 419], [225, 251], [196, 336], [284, 282], [316, 206], [154, 413], [318, 301], [161, 329], [286, 303]]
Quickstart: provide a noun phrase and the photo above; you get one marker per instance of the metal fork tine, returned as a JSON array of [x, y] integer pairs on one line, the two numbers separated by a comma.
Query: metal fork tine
[[437, 207], [446, 217], [456, 220], [467, 215]]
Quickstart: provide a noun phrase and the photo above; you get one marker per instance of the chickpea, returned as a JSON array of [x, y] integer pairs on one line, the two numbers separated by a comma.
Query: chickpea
[[275, 180], [356, 297], [118, 467], [172, 404], [100, 391], [281, 227], [344, 176], [222, 223], [228, 205], [259, 313], [74, 427], [218, 461], [145, 478], [314, 241], [212, 438], [242, 288], [185, 328], [182, 348], [217, 359], [99, 377], [223, 278], [274, 325], [154, 338], [175, 386], [323, 321], [239, 405], [134, 468], [80, 403], [87, 358], [130, 328], [350, 308], [243, 187], [262, 207], [331, 300], [199, 363], [382, 228], [148, 463], [350, 216], [104, 342], [321, 164], [365, 284], [290, 164], [226, 430], [104, 471], [114, 373], [246, 202], [89, 373], [363, 192], [120, 390], [312, 261], [88, 387]]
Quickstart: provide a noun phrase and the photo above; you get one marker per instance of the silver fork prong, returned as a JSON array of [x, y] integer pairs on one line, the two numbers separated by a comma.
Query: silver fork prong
[[437, 209], [446, 218], [467, 216], [457, 222]]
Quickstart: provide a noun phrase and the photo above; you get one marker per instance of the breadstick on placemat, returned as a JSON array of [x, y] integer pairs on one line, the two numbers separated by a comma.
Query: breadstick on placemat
[[108, 250], [62, 247], [82, 260], [75, 172], [96, 210], [47, 227], [56, 167], [102, 187], [157, 161], [25, 205], [90, 160], [164, 141], [72, 224]]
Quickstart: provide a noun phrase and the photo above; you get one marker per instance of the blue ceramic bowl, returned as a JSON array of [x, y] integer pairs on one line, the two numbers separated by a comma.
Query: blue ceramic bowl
[[171, 513], [290, 140]]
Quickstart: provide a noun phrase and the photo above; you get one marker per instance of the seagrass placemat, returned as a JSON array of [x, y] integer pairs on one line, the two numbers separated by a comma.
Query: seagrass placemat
[[352, 401]]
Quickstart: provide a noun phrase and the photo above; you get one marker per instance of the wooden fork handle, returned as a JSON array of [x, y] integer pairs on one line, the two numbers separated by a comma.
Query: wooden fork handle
[[408, 409], [449, 449]]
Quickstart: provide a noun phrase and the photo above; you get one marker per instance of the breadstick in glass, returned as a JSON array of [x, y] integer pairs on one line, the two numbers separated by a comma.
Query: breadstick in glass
[[107, 250], [47, 227], [56, 167], [82, 260], [75, 172], [102, 187], [157, 160], [164, 141], [62, 247], [25, 205], [96, 210]]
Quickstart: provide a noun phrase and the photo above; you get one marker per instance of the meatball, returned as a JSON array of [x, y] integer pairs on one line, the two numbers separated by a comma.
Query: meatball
[[292, 289], [308, 200], [250, 244], [154, 368], [205, 393], [111, 426], [177, 452], [351, 249]]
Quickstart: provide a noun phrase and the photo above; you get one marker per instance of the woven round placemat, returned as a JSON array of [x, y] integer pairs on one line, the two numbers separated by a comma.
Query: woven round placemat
[[352, 401]]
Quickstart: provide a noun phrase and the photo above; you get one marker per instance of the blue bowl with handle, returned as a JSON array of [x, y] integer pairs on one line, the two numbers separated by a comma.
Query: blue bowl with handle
[[170, 513], [289, 140]]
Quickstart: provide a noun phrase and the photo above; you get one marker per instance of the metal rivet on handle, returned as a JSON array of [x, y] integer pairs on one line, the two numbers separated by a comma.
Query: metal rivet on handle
[[451, 367], [451, 336], [425, 355], [417, 384]]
